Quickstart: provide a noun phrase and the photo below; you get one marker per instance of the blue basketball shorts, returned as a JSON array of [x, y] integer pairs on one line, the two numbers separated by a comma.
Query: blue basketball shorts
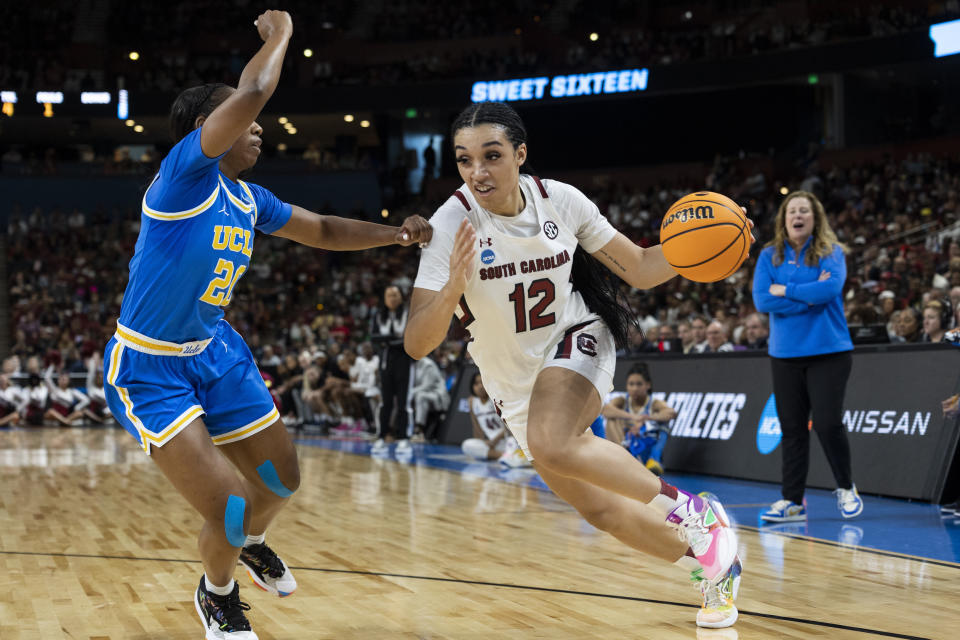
[[156, 388]]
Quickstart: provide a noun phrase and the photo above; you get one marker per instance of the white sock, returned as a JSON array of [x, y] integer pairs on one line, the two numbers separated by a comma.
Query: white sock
[[220, 591], [688, 564], [252, 540]]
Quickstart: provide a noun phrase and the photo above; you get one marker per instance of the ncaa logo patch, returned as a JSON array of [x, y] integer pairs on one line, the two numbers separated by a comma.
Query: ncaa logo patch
[[550, 229], [487, 256], [587, 344], [768, 431]]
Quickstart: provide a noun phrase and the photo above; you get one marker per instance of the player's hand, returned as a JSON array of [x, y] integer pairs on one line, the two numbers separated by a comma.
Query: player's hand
[[753, 238], [414, 229], [824, 275], [462, 257], [951, 406], [270, 23], [778, 290]]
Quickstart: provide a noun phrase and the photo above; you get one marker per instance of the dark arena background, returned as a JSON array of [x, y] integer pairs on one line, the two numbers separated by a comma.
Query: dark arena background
[[635, 103]]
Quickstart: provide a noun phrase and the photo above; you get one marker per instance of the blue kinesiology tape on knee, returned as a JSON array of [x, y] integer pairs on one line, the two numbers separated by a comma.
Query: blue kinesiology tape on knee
[[268, 473], [233, 521]]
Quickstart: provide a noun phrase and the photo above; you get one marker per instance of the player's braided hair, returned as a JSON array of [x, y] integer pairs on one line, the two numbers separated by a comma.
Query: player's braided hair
[[598, 287], [193, 103]]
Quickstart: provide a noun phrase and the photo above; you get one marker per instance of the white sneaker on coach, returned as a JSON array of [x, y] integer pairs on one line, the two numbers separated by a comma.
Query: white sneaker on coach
[[849, 502]]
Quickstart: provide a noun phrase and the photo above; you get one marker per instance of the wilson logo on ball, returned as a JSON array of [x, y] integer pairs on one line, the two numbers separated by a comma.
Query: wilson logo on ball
[[690, 213], [705, 236]]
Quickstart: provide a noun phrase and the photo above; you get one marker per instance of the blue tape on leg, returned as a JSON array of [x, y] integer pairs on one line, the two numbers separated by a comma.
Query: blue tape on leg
[[233, 520], [268, 474]]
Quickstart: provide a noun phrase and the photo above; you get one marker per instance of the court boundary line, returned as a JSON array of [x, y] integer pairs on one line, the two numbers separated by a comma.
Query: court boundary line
[[852, 547], [502, 585], [879, 552]]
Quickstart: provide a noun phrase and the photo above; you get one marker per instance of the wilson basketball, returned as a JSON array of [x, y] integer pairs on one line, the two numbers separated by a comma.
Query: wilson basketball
[[705, 236]]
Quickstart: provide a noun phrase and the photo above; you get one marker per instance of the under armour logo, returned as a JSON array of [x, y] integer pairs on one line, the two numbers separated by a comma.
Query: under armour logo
[[550, 229], [488, 242]]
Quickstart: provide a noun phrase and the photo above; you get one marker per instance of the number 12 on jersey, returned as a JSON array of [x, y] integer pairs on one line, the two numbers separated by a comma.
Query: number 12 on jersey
[[541, 287]]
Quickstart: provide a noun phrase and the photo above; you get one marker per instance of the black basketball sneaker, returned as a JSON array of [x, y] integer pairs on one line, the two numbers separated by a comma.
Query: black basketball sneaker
[[223, 616], [267, 570]]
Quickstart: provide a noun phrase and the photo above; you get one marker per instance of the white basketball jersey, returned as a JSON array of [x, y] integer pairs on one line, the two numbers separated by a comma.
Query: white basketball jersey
[[520, 301], [487, 417]]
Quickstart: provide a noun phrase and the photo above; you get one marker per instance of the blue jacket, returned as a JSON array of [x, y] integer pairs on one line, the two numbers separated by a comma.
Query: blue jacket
[[808, 320]]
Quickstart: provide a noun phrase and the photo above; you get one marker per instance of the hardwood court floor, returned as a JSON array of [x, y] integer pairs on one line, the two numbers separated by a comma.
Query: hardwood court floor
[[95, 545]]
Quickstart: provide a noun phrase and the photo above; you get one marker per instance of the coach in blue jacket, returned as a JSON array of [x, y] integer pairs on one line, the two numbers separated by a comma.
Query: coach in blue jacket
[[799, 282]]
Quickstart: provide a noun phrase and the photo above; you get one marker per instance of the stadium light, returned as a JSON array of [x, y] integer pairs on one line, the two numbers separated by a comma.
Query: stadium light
[[138, 128], [134, 55], [594, 36], [95, 97], [49, 97], [364, 123], [308, 53], [946, 37], [282, 146], [283, 120], [292, 130], [348, 118], [784, 191], [123, 104], [384, 213], [130, 123]]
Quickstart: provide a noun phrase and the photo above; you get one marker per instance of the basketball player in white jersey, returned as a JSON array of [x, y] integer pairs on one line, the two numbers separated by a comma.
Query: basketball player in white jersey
[[518, 260]]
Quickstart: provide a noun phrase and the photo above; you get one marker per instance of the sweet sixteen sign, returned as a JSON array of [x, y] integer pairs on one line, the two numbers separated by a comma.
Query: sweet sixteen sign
[[564, 86]]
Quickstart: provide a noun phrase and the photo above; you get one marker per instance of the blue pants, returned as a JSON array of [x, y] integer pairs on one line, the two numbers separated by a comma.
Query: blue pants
[[599, 427], [647, 445]]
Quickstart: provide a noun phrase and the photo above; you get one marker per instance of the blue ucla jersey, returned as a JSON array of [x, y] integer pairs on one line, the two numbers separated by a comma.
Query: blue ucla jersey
[[196, 238]]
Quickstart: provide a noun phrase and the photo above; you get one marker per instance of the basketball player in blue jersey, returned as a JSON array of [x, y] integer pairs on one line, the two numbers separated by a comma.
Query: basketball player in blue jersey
[[527, 264], [179, 378]]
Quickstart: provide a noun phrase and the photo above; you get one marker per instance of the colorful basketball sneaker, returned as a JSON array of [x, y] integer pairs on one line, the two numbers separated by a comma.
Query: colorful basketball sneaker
[[223, 616], [718, 610], [785, 511], [849, 502], [713, 542], [267, 570]]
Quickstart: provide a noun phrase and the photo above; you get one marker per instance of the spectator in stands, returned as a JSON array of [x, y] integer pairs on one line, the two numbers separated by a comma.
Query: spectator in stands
[[66, 403], [364, 381], [756, 331], [386, 328], [698, 325], [12, 402], [936, 320], [669, 342], [716, 341], [799, 281], [97, 410], [490, 435], [428, 393], [688, 342], [909, 326]]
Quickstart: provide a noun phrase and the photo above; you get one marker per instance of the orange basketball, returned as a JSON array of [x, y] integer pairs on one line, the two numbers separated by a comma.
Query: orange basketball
[[705, 236]]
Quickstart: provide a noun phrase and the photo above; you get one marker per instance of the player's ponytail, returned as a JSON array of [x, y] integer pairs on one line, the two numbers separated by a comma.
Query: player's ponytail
[[600, 290], [193, 103]]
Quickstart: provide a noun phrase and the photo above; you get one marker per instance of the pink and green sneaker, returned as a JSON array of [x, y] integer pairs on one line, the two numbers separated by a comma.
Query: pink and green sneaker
[[707, 532]]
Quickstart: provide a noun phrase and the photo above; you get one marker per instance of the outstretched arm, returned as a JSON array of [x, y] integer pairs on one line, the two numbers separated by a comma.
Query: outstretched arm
[[343, 234]]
